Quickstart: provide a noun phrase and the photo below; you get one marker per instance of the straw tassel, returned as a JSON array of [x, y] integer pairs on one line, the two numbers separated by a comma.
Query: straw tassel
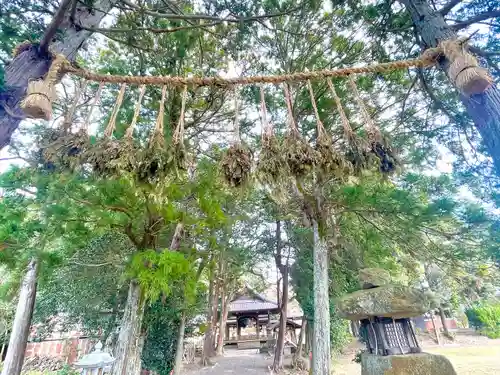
[[179, 131], [130, 130], [41, 94]]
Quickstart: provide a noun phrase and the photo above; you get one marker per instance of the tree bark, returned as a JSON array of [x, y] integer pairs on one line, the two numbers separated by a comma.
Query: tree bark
[[302, 337], [280, 343], [436, 331], [22, 322], [128, 348], [223, 319], [483, 109], [180, 345], [321, 343], [31, 64], [208, 348], [443, 322]]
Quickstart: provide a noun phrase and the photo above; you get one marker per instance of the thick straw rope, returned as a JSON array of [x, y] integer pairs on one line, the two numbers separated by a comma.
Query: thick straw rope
[[130, 130], [427, 59], [108, 133], [463, 71]]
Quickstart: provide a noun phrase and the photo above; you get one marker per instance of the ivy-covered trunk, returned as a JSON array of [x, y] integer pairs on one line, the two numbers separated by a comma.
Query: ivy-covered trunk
[[30, 64], [321, 342], [483, 109], [128, 347], [22, 322]]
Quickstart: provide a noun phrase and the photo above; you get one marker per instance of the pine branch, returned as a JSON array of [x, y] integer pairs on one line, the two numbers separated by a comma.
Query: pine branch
[[448, 7], [153, 30], [175, 16], [477, 18]]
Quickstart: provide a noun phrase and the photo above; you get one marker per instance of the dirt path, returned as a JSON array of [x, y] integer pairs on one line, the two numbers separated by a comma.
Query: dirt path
[[236, 362]]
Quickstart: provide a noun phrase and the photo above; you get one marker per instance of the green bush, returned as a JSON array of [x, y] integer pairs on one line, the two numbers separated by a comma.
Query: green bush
[[486, 317]]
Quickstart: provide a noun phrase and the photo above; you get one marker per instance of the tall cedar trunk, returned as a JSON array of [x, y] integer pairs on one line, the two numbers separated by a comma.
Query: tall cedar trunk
[[443, 322], [179, 351], [321, 343], [483, 109], [309, 337], [31, 65], [208, 349], [128, 346], [22, 322], [215, 304], [280, 343]]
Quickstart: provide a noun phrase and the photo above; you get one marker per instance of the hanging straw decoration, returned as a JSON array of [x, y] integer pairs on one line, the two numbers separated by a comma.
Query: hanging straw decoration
[[357, 149], [236, 162], [272, 168], [156, 159], [379, 146], [328, 159], [60, 147], [41, 94], [300, 156], [109, 156]]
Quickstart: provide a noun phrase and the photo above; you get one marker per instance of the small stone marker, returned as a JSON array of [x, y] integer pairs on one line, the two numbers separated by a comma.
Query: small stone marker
[[95, 363]]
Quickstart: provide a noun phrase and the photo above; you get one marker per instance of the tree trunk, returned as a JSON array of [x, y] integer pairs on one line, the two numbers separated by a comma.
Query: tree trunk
[[30, 64], [436, 331], [483, 109], [223, 319], [321, 343], [128, 349], [443, 322], [280, 343], [180, 345], [302, 337], [208, 348], [22, 322]]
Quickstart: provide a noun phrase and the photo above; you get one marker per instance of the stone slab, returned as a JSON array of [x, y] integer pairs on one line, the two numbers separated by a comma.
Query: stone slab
[[395, 301], [411, 364]]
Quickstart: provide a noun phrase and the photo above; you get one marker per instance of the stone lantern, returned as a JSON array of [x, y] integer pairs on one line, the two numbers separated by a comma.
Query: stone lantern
[[95, 363], [384, 310]]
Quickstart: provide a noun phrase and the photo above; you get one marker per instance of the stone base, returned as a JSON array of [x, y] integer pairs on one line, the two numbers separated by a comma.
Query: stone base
[[410, 364]]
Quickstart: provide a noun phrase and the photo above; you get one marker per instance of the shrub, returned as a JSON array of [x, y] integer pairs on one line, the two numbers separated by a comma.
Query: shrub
[[486, 317]]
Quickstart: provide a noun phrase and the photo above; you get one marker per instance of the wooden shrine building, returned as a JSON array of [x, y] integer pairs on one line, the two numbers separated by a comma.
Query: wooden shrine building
[[253, 320]]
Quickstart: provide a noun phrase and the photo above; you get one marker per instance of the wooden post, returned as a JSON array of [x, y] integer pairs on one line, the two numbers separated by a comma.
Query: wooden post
[[238, 331]]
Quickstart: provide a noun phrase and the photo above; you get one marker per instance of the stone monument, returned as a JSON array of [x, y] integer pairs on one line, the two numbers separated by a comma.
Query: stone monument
[[384, 310]]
